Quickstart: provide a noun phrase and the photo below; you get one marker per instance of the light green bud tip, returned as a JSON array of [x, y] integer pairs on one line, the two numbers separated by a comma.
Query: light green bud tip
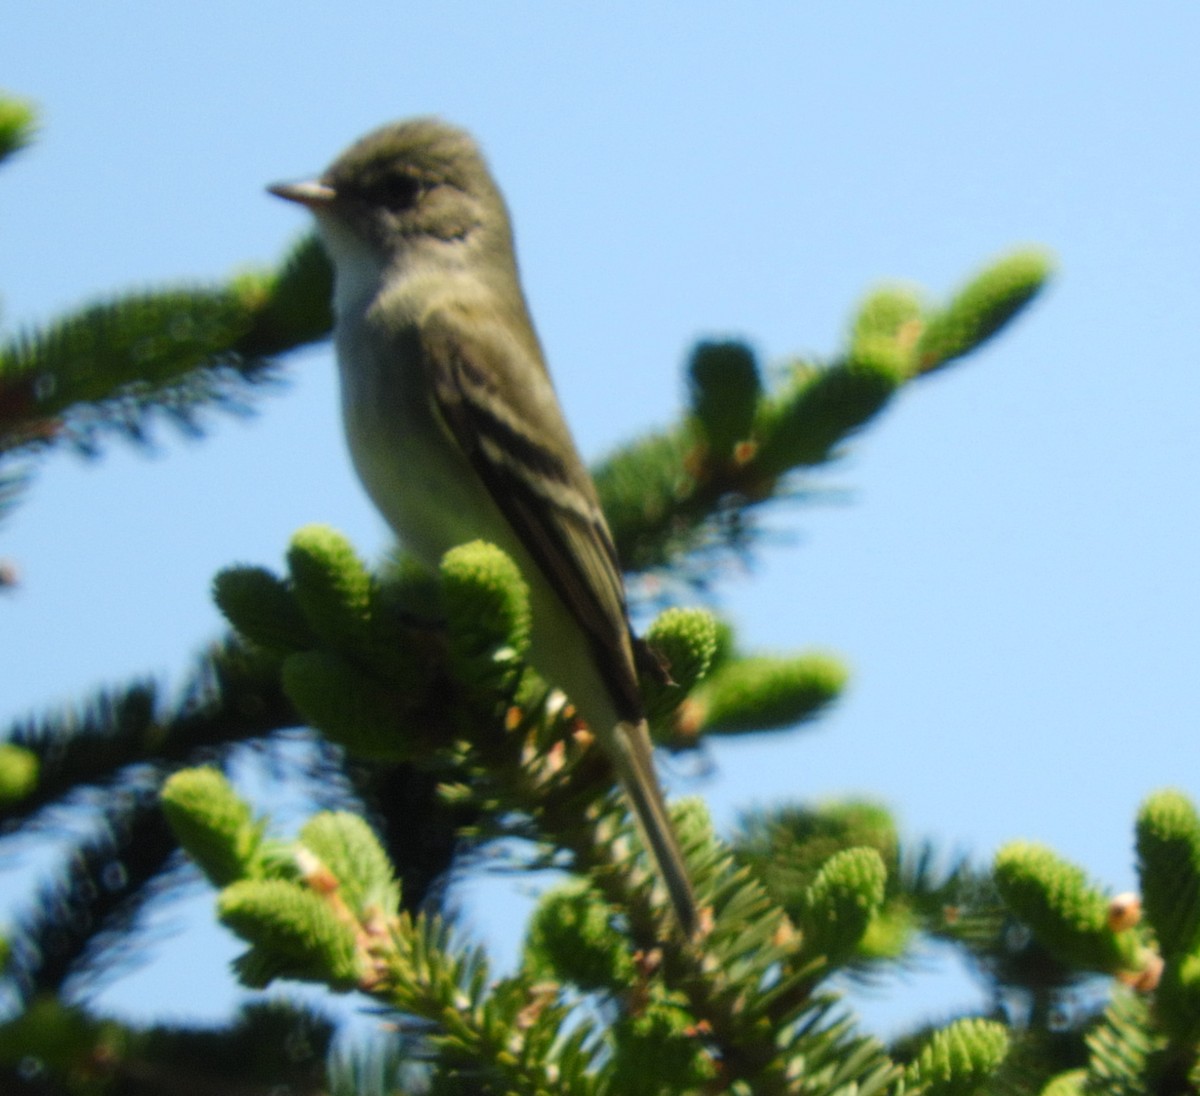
[[262, 609], [889, 312], [212, 823], [686, 640], [1071, 1083], [570, 938], [486, 601], [983, 306], [348, 847], [295, 932], [332, 586], [1067, 914], [847, 892], [959, 1057], [883, 357], [765, 693], [885, 333], [1168, 848], [804, 424], [18, 773], [18, 123]]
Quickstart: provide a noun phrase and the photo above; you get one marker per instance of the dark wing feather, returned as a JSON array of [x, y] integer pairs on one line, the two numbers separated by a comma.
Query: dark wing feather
[[544, 491]]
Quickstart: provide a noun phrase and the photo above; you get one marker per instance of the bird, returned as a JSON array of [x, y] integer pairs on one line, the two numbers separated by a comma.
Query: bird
[[456, 431]]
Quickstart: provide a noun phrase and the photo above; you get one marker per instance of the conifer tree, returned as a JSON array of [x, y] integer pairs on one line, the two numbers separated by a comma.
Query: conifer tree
[[436, 738]]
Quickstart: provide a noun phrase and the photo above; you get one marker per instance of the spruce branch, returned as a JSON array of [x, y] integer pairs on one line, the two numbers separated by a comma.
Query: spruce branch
[[422, 685], [109, 366], [1122, 1048], [529, 770], [959, 1059], [305, 916], [696, 487], [115, 366], [1168, 848], [233, 697], [263, 1047], [79, 924], [1067, 914]]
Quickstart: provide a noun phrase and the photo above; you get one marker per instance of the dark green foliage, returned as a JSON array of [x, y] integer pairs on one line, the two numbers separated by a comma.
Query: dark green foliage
[[233, 695], [790, 845], [655, 1053], [265, 1047], [79, 923], [837, 871], [1148, 1040], [292, 304], [352, 709], [109, 365], [681, 493], [642, 488], [116, 365], [1178, 999]]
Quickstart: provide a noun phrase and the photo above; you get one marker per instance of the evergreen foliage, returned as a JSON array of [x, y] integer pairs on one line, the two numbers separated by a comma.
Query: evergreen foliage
[[429, 737]]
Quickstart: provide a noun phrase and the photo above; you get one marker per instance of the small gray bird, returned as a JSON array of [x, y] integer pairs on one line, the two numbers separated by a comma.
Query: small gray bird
[[455, 429]]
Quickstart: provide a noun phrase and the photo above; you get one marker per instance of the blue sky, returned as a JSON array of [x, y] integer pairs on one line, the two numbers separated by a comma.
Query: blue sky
[[1011, 571]]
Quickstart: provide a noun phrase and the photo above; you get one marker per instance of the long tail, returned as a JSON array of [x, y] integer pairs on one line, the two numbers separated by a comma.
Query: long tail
[[634, 762]]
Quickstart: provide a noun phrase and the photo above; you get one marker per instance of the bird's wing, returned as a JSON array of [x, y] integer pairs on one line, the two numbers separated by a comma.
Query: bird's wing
[[496, 399]]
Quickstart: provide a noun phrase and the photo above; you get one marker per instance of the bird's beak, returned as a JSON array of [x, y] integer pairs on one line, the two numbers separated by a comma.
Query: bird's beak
[[313, 194]]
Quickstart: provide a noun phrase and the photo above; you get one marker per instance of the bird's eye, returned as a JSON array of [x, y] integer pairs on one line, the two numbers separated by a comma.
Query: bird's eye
[[397, 192]]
